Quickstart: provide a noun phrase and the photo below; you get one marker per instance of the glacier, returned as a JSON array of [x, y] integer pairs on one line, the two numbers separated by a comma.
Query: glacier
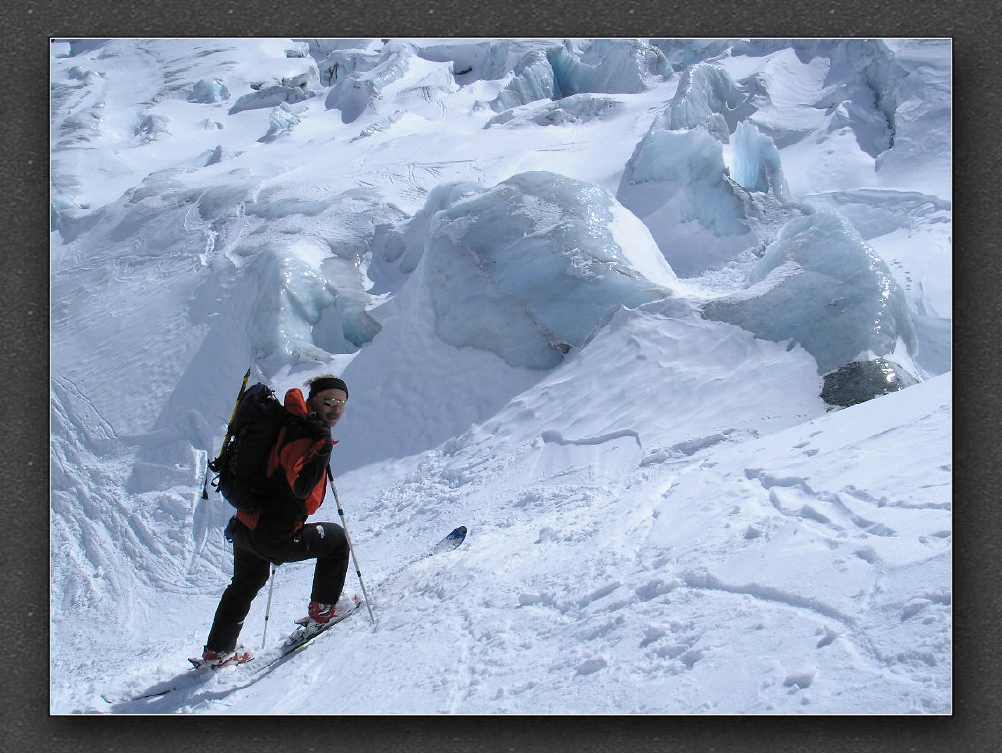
[[589, 296]]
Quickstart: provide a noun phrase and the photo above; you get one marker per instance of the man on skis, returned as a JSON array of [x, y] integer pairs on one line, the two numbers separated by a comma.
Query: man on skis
[[277, 533]]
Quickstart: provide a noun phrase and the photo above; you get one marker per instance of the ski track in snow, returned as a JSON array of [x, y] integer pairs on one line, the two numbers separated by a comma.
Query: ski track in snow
[[667, 521]]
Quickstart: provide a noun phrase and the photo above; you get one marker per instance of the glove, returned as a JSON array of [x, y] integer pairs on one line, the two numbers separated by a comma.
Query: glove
[[316, 427]]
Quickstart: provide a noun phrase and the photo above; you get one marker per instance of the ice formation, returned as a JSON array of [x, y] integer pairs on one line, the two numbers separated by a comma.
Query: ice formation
[[675, 182], [531, 267], [208, 91], [606, 66], [707, 97], [271, 96], [822, 287], [577, 108], [396, 250], [282, 120], [532, 80], [756, 164], [341, 63], [483, 60], [398, 74]]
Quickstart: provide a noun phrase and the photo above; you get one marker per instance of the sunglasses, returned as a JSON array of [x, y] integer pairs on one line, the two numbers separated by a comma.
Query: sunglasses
[[331, 402]]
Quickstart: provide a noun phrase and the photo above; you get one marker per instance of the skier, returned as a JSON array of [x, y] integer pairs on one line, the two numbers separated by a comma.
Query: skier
[[277, 533]]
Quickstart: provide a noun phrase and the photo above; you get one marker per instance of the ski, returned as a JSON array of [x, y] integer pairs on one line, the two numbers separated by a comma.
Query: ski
[[451, 541], [456, 537], [200, 665], [301, 637]]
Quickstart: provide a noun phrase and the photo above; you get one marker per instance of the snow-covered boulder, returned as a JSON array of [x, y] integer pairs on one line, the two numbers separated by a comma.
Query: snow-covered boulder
[[606, 66], [860, 381], [578, 108], [208, 91], [821, 286], [532, 80], [530, 268]]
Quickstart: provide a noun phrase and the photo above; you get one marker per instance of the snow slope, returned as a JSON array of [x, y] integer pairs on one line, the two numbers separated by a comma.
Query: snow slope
[[663, 516]]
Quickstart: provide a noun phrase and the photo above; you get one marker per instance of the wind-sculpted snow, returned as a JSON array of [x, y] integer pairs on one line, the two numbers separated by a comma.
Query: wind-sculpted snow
[[531, 267], [577, 108], [821, 286]]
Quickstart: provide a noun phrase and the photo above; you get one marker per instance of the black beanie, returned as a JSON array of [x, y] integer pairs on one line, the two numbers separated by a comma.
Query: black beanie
[[327, 383]]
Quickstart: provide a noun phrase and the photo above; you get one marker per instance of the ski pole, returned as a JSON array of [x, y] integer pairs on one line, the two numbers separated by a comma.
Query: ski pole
[[226, 440], [267, 611], [351, 549]]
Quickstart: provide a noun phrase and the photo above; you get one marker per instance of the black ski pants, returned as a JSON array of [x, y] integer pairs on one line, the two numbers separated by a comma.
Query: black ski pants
[[252, 561]]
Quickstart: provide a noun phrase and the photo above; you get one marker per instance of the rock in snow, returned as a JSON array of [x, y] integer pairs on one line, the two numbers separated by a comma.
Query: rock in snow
[[860, 381]]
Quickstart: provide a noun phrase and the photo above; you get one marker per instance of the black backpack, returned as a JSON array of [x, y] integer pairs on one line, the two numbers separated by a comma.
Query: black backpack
[[242, 465]]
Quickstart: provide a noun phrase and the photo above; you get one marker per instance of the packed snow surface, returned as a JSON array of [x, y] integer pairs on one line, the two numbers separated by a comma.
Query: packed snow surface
[[583, 293]]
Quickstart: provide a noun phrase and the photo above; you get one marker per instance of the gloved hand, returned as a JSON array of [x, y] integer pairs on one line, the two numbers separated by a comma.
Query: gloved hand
[[316, 427]]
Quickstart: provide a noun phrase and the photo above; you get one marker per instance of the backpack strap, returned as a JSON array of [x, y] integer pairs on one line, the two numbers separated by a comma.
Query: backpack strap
[[273, 458]]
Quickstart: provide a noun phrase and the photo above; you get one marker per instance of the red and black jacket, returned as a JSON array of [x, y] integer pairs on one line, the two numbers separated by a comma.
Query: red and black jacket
[[298, 467]]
